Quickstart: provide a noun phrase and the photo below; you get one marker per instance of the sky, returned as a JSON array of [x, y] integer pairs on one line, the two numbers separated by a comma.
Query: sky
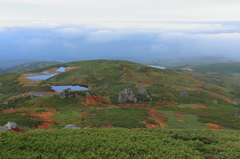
[[137, 29]]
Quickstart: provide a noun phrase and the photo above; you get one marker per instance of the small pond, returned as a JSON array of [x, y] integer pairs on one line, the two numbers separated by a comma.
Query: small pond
[[48, 74], [42, 77], [73, 88], [160, 67]]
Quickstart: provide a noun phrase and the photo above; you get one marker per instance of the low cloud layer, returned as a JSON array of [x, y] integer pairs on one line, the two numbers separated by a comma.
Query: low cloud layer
[[73, 41]]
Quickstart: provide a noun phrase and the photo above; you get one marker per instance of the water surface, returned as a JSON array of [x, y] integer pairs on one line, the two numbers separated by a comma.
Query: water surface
[[159, 67], [74, 88]]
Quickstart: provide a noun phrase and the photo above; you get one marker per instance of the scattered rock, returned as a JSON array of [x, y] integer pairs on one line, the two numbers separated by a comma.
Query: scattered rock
[[237, 114], [53, 95], [143, 90], [184, 94], [71, 126], [64, 93], [198, 90], [236, 102], [88, 95], [127, 94], [9, 126], [105, 87], [215, 101], [118, 66], [138, 68]]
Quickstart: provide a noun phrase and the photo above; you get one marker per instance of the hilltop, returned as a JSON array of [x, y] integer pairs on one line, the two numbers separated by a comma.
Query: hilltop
[[28, 66], [122, 94], [181, 61]]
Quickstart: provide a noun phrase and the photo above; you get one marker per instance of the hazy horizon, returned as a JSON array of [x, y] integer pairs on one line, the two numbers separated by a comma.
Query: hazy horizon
[[84, 30]]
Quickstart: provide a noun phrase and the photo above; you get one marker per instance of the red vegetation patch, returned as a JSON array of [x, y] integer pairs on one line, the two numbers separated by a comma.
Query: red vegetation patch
[[94, 99], [83, 113], [161, 117], [197, 86], [15, 129], [177, 116]]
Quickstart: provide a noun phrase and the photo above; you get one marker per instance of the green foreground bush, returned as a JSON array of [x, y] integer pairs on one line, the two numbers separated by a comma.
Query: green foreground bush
[[120, 143]]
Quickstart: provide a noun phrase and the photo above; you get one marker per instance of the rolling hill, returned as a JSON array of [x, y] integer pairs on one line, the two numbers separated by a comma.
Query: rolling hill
[[199, 60], [29, 66], [144, 106]]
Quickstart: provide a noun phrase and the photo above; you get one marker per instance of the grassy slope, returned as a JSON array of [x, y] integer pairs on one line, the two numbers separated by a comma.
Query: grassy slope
[[166, 110], [199, 60], [29, 66]]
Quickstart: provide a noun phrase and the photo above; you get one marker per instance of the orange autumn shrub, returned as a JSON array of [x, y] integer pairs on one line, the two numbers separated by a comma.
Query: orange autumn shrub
[[181, 121], [191, 79], [228, 100], [197, 107], [161, 117], [214, 126], [83, 113]]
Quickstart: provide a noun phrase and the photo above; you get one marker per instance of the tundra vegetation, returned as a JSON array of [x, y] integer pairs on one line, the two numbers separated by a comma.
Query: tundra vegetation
[[180, 116]]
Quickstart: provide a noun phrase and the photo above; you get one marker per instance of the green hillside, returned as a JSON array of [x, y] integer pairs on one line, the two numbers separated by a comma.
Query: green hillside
[[199, 60], [29, 66], [200, 114]]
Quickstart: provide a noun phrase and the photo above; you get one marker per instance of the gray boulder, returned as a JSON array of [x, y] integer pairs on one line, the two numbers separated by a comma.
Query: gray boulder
[[11, 125], [215, 101], [3, 128], [237, 114], [64, 93], [71, 126], [142, 90], [127, 94], [184, 94], [88, 95], [8, 126], [118, 66], [236, 102]]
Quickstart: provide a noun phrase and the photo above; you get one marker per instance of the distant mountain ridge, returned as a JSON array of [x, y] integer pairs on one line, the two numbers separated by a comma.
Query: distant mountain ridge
[[29, 66], [198, 60]]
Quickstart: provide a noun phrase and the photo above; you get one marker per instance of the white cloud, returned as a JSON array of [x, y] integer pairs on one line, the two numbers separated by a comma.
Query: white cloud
[[133, 10], [104, 36]]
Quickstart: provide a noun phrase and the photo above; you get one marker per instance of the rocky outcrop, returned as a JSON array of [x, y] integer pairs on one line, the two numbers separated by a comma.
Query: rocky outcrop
[[184, 94], [127, 94], [236, 102], [237, 114], [64, 93], [88, 95], [8, 126], [71, 126], [143, 90]]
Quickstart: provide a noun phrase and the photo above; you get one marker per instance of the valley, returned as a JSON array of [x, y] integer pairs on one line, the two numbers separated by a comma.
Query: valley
[[120, 95]]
